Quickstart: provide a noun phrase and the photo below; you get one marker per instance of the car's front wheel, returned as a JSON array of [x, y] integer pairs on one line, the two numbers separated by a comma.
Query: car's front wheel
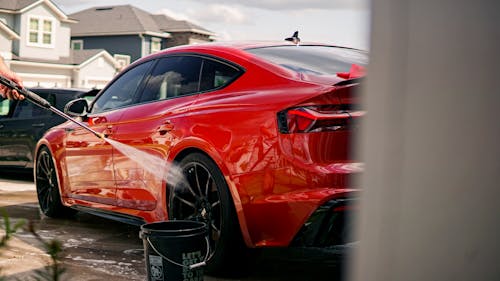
[[198, 191], [47, 187]]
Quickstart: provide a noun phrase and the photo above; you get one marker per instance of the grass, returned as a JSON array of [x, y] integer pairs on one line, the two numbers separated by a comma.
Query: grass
[[53, 248]]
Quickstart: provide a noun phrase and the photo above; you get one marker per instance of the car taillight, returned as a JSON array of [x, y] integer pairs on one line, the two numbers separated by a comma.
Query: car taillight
[[321, 118]]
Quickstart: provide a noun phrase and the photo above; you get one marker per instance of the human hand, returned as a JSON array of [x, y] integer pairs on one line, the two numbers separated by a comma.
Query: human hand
[[5, 91]]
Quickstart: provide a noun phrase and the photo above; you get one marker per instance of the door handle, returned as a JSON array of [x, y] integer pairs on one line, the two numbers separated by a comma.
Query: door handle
[[108, 131], [167, 126]]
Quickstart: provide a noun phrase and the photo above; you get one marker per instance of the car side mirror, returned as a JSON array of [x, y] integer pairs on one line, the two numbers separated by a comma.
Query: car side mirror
[[77, 108]]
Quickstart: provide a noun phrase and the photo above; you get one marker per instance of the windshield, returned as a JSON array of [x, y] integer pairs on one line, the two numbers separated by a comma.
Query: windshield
[[317, 60]]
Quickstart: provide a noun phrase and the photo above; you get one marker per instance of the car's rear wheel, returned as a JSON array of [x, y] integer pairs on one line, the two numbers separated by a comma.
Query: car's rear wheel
[[198, 191], [47, 187]]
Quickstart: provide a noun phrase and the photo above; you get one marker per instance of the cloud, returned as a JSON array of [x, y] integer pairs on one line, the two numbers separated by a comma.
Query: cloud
[[219, 13], [71, 3], [299, 4], [175, 15], [75, 2], [214, 14], [224, 35]]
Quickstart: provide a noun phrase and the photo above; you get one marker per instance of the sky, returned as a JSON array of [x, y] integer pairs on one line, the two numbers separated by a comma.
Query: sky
[[339, 22]]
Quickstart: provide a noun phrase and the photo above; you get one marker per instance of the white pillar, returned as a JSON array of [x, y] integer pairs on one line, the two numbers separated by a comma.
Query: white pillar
[[76, 79], [431, 201]]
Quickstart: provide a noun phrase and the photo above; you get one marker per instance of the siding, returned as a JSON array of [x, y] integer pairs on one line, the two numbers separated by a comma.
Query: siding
[[95, 71], [5, 46], [61, 36], [126, 45]]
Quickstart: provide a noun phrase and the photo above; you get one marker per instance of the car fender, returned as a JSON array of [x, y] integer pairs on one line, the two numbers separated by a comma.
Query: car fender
[[50, 140], [198, 144]]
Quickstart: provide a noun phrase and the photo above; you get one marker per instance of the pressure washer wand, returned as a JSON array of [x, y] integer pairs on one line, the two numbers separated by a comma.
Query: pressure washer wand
[[36, 99]]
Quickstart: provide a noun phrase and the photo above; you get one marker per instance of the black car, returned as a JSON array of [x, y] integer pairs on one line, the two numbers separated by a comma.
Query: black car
[[23, 123]]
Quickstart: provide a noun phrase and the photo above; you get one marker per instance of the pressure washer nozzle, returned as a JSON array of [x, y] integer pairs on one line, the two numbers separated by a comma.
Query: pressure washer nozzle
[[100, 135]]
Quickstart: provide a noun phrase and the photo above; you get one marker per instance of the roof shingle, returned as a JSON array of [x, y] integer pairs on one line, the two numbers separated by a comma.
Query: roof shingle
[[76, 57], [172, 25], [15, 5], [126, 19]]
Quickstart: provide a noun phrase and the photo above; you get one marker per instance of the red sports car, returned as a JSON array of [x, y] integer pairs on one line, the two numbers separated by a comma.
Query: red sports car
[[259, 133]]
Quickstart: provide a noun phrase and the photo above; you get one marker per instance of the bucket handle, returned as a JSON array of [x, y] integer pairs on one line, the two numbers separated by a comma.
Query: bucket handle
[[192, 266]]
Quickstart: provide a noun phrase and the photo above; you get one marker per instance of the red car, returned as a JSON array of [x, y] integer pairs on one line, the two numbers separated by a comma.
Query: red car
[[260, 132]]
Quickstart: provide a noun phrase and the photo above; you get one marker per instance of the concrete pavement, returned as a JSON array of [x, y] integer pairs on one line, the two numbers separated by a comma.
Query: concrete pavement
[[101, 249]]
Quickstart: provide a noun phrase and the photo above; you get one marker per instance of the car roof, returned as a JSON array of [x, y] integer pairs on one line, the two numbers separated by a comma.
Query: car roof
[[58, 90], [66, 91], [236, 48], [237, 45]]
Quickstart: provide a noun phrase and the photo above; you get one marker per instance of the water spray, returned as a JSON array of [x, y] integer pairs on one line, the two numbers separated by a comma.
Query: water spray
[[36, 99]]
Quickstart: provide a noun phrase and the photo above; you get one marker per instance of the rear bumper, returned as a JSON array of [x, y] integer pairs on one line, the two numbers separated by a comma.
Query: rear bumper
[[295, 218], [329, 226]]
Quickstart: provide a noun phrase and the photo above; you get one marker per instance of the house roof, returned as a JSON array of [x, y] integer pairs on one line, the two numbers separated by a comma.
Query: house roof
[[81, 56], [20, 6], [76, 57], [15, 5], [109, 20], [169, 24], [126, 19]]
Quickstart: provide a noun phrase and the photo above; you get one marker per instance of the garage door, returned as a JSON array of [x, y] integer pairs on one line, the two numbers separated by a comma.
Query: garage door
[[59, 81]]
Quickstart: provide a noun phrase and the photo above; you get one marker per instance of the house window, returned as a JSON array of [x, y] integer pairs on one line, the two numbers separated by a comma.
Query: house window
[[41, 32], [121, 61], [5, 107], [77, 44], [155, 45]]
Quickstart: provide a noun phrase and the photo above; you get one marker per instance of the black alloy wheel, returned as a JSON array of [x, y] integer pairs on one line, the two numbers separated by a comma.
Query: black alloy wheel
[[198, 191], [47, 187]]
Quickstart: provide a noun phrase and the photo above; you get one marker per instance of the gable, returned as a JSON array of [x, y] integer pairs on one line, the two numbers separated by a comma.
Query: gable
[[54, 10], [83, 58], [44, 32]]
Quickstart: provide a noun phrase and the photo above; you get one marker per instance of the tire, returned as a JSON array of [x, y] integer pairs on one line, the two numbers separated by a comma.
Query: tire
[[202, 194], [47, 187]]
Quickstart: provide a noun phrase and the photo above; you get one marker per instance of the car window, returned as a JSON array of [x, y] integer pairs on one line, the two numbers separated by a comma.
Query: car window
[[26, 109], [318, 60], [173, 76], [123, 90], [217, 74], [90, 95], [5, 107]]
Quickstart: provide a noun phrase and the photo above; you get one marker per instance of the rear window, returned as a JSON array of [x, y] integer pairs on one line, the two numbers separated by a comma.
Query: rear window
[[317, 60]]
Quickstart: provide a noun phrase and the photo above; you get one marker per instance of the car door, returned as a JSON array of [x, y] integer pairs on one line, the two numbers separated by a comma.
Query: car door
[[89, 160], [151, 127], [22, 124]]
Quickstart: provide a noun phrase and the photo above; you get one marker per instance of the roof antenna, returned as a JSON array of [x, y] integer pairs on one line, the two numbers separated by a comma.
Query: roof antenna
[[295, 38]]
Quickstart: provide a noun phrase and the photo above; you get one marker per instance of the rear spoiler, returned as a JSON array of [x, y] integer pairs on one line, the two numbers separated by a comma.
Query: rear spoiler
[[355, 75], [349, 81]]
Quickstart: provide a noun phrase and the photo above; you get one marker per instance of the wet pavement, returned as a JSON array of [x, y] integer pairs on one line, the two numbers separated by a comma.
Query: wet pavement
[[100, 249]]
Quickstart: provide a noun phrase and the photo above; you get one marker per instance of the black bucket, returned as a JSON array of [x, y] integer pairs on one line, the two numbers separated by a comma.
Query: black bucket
[[175, 250]]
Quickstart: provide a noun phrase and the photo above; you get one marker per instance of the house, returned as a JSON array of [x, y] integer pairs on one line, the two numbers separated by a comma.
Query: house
[[35, 40], [130, 33]]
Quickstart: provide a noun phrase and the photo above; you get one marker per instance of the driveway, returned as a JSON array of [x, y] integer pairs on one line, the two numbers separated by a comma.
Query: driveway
[[99, 249]]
